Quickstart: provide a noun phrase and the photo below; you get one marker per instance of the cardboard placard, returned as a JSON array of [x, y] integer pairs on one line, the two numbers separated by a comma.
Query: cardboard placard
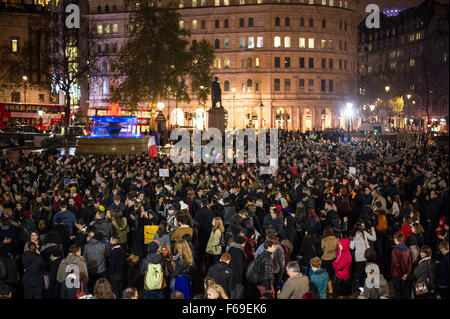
[[149, 233]]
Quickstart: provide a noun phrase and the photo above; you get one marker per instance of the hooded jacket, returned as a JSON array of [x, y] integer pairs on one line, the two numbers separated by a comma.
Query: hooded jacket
[[343, 260], [401, 262], [223, 275], [151, 258], [72, 259], [426, 269], [329, 244], [104, 227], [121, 232], [319, 283]]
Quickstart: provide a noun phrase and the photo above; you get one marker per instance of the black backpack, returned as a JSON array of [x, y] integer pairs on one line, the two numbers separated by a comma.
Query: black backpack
[[254, 271]]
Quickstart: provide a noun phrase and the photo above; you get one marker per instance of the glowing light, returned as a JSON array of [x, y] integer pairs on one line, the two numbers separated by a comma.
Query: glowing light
[[114, 110], [160, 106], [372, 107]]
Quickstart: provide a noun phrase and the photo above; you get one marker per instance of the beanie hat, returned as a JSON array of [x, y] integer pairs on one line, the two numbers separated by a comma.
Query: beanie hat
[[240, 240], [153, 247], [278, 207]]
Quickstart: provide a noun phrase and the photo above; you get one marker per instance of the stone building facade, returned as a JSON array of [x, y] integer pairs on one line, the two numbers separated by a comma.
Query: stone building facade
[[289, 64]]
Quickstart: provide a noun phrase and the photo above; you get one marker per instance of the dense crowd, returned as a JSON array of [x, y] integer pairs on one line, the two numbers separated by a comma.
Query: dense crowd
[[359, 219]]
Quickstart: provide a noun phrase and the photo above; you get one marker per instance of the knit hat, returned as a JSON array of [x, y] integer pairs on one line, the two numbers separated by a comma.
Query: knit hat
[[239, 240], [278, 207], [153, 247]]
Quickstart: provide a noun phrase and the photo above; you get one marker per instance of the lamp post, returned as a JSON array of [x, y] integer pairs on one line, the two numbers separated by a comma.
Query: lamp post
[[387, 88], [349, 114], [25, 79], [233, 90], [260, 115]]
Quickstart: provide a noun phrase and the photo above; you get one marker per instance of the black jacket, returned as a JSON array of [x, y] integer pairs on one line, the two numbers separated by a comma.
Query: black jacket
[[266, 267], [311, 247], [223, 275], [34, 266], [238, 263], [182, 268], [117, 261]]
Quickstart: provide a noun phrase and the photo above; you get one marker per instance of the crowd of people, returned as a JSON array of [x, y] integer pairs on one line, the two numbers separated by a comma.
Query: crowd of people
[[338, 219]]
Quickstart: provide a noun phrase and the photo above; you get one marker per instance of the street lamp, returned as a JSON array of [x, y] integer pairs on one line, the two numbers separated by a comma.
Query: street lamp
[[408, 96], [40, 112], [387, 88], [372, 107], [25, 79], [233, 90], [160, 106], [349, 114]]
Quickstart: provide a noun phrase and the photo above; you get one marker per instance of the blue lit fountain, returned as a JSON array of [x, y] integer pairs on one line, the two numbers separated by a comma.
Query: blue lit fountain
[[111, 135]]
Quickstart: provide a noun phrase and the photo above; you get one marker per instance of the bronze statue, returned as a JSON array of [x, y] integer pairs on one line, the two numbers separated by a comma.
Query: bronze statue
[[216, 93]]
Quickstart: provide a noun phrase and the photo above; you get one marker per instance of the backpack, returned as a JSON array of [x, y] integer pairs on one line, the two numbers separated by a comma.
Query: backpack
[[382, 222], [254, 272], [3, 268], [154, 277]]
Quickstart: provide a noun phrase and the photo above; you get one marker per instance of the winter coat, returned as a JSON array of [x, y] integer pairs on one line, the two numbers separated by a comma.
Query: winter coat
[[401, 262], [310, 248], [213, 246], [178, 234], [426, 269], [121, 232], [223, 275], [276, 223], [72, 259], [294, 288], [68, 218], [117, 261], [104, 227], [343, 260], [238, 263], [163, 241], [319, 283], [182, 268], [443, 271], [328, 245], [278, 260], [34, 266], [360, 244], [95, 250]]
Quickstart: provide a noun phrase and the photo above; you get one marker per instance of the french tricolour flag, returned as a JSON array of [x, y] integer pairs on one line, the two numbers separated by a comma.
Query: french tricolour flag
[[152, 148]]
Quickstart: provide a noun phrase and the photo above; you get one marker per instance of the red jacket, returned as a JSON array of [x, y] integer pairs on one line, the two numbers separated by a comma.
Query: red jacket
[[343, 260], [401, 262], [406, 230]]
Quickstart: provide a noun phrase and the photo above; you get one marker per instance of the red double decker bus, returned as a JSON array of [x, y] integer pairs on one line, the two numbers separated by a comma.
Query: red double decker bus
[[12, 114]]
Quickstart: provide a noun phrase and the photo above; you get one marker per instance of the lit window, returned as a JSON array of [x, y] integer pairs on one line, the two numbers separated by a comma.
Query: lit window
[[181, 24], [418, 36], [324, 2], [411, 37], [260, 42], [105, 87], [226, 63], [99, 29], [412, 62], [181, 4], [277, 42], [393, 65], [311, 43], [115, 28], [251, 42], [260, 1], [241, 43], [217, 3], [331, 3], [301, 43], [257, 62], [241, 1], [203, 3], [217, 63], [323, 44], [14, 45], [194, 24], [226, 43], [345, 4], [226, 2], [194, 3], [287, 42], [330, 44], [311, 2], [107, 28]]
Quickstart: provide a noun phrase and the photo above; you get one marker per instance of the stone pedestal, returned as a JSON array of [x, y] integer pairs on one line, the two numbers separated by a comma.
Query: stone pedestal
[[216, 119]]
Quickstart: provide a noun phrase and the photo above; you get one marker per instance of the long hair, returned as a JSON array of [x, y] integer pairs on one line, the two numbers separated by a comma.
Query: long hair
[[117, 215], [185, 252], [169, 251], [103, 289], [217, 288], [218, 224], [162, 228]]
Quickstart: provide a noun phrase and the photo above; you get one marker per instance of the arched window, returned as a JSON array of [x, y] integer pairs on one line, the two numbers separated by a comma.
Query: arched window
[[114, 7], [226, 24], [203, 24], [287, 42], [287, 22], [324, 23], [217, 24], [251, 22], [105, 67], [106, 8], [249, 85], [345, 26], [217, 43], [311, 22], [226, 86], [249, 62], [302, 22], [99, 9], [177, 117], [277, 21], [277, 42], [226, 63]]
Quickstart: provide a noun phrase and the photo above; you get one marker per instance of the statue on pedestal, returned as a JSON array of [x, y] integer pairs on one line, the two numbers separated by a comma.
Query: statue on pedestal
[[216, 93]]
